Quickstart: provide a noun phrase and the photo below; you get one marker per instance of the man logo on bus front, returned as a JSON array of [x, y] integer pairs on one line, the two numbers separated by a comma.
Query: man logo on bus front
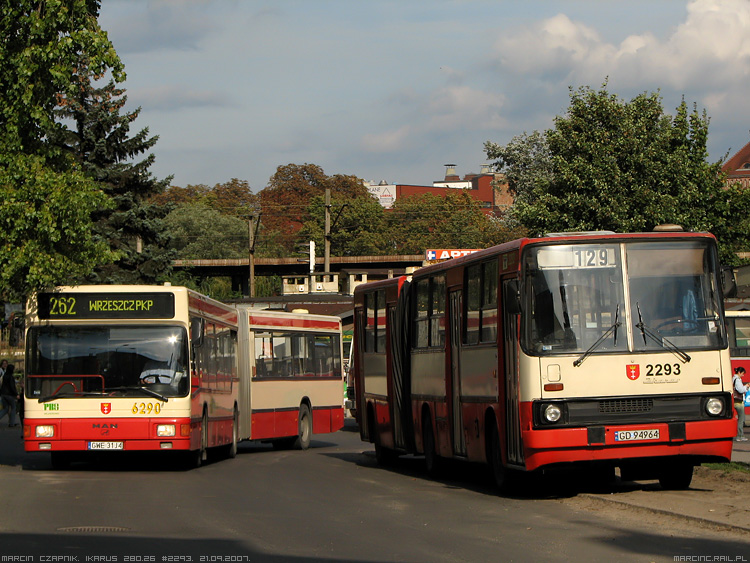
[[633, 371], [106, 408]]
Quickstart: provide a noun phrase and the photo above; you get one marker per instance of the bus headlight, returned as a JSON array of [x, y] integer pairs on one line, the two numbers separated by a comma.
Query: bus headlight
[[45, 431], [552, 413], [714, 406], [163, 430]]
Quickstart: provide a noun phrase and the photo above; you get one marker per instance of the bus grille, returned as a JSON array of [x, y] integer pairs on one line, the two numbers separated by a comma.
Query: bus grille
[[625, 406]]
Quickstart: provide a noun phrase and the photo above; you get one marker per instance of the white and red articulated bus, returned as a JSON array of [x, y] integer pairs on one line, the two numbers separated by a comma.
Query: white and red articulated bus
[[595, 350], [295, 376], [162, 368], [130, 368]]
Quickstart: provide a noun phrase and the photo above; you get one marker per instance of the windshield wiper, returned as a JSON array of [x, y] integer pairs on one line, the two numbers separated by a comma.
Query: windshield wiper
[[145, 390], [659, 339], [602, 338]]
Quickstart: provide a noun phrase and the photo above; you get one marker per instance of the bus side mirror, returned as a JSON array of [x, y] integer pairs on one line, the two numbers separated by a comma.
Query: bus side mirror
[[196, 332], [511, 297]]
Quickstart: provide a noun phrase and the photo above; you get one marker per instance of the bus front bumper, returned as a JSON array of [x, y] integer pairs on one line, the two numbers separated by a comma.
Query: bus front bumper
[[116, 434], [703, 440]]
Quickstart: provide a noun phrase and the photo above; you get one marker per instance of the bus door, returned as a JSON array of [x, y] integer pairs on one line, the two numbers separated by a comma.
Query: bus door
[[395, 379], [459, 440], [510, 366]]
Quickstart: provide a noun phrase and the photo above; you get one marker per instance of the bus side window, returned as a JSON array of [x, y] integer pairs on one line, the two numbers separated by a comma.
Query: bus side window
[[740, 341]]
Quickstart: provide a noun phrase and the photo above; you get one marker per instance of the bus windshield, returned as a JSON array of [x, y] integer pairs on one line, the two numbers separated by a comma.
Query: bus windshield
[[575, 297], [76, 361]]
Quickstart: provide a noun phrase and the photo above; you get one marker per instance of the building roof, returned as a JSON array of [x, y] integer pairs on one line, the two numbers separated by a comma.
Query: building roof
[[738, 166]]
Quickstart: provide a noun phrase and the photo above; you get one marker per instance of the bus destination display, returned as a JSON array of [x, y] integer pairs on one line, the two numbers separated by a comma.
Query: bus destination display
[[106, 305], [578, 257]]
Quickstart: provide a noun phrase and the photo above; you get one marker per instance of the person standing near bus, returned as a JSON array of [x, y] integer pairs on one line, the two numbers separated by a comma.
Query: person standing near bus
[[9, 395], [739, 389]]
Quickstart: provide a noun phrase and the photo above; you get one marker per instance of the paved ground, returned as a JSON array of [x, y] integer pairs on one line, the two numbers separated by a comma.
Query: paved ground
[[716, 498]]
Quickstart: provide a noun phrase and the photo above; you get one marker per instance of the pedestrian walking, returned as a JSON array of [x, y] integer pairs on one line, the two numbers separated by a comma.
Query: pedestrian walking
[[9, 395], [738, 395]]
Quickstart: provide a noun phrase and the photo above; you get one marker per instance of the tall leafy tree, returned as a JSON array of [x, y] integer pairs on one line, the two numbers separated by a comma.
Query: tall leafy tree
[[419, 222], [233, 198], [201, 232], [526, 161], [621, 166], [230, 198], [357, 226], [285, 201], [102, 143], [46, 197], [176, 195]]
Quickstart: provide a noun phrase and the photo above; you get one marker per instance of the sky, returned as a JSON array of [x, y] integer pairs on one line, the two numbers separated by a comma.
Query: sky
[[395, 89]]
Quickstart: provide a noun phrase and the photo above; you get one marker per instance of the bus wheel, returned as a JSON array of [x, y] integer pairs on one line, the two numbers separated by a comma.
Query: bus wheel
[[199, 457], [304, 428], [495, 459], [232, 447], [203, 452], [676, 476], [431, 459]]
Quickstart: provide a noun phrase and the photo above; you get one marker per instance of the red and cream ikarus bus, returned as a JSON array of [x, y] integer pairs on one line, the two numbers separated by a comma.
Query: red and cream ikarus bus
[[294, 364], [130, 368], [139, 368], [595, 349]]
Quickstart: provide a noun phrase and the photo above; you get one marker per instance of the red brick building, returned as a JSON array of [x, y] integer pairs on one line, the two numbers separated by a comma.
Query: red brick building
[[479, 186], [737, 168]]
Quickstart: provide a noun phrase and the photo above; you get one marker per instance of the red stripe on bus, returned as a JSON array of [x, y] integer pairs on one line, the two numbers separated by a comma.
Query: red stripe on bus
[[286, 322], [227, 315]]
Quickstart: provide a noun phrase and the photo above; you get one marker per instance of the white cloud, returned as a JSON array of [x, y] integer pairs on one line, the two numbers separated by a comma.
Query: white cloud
[[712, 44], [393, 89], [454, 107], [388, 141]]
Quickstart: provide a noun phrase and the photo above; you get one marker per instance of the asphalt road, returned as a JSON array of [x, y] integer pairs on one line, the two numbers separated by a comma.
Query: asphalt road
[[330, 503]]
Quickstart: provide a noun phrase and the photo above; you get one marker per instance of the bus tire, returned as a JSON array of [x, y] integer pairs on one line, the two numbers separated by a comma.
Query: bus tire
[[432, 461], [495, 458], [383, 455], [304, 428], [676, 476], [199, 456], [232, 447]]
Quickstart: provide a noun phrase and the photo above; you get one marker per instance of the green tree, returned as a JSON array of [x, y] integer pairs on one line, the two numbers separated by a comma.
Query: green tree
[[357, 226], [230, 198], [417, 223], [47, 199], [102, 143], [286, 200], [233, 198], [621, 166], [526, 161], [200, 232], [176, 195], [45, 226]]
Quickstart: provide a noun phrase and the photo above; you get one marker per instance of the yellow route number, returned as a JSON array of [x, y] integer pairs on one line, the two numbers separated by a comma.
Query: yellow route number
[[146, 408]]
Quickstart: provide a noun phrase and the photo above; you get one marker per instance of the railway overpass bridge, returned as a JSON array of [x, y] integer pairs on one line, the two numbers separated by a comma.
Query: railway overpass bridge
[[376, 267]]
